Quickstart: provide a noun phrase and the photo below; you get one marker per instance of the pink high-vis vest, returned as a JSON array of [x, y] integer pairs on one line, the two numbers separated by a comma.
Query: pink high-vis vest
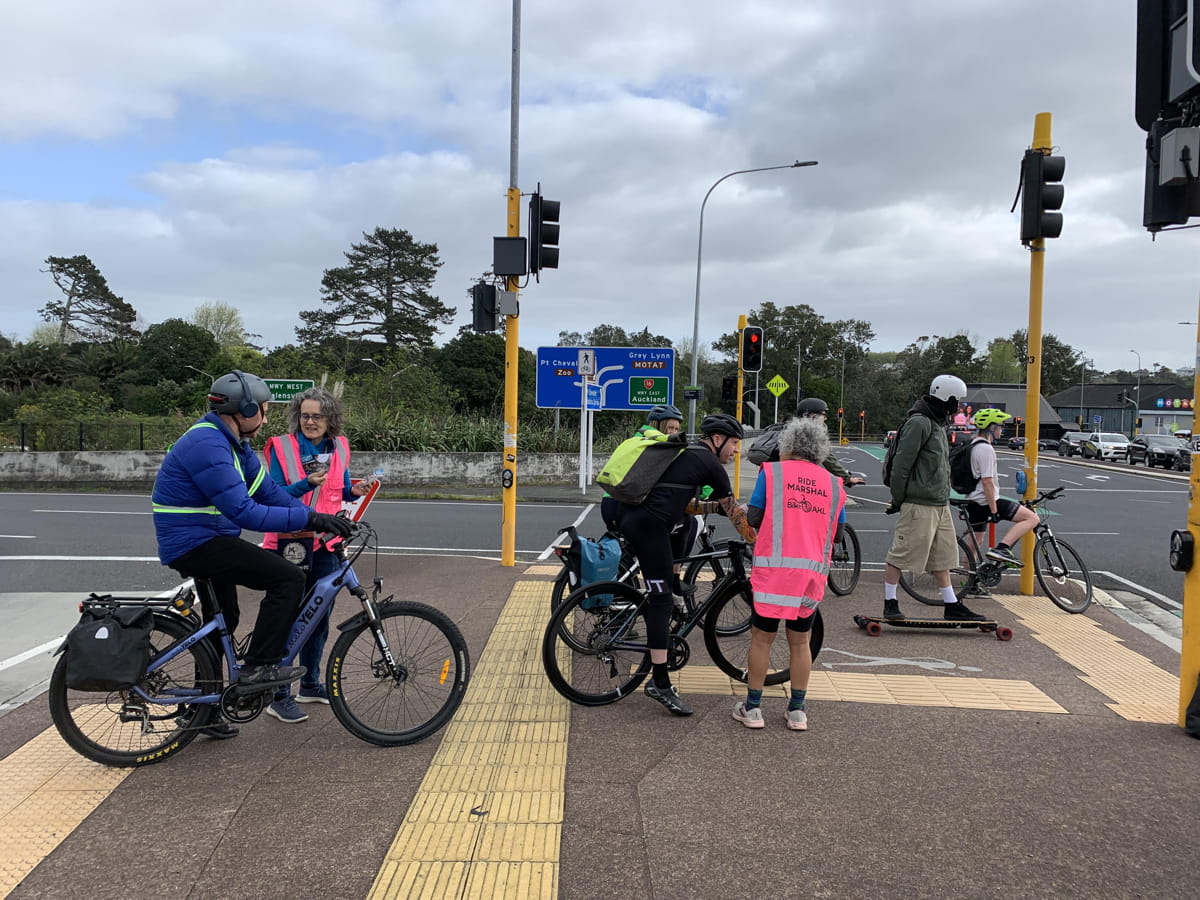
[[326, 498], [795, 540]]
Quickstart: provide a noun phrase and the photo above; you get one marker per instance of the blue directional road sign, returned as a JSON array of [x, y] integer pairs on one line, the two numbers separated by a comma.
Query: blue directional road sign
[[593, 397], [628, 377]]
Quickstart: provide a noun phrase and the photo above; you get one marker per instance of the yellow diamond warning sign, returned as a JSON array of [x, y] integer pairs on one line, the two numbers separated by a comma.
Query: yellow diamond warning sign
[[777, 385]]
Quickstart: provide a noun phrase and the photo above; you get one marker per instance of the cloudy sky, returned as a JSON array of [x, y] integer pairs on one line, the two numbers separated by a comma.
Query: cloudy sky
[[231, 151]]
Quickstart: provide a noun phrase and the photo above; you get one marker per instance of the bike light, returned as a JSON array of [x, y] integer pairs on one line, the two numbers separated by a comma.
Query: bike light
[[1182, 545]]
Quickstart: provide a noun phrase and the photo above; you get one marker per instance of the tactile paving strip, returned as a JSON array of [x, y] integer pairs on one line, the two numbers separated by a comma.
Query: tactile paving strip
[[46, 790], [547, 569], [904, 690], [1140, 690], [487, 818]]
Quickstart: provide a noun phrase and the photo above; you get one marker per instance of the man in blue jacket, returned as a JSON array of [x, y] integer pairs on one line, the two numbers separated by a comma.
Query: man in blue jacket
[[209, 487]]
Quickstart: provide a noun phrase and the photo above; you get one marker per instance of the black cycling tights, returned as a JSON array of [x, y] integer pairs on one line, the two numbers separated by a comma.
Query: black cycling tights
[[649, 539]]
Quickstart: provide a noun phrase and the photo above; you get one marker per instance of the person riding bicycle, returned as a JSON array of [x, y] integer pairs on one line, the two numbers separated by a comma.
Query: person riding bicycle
[[925, 540], [986, 505], [647, 530], [209, 487], [664, 420]]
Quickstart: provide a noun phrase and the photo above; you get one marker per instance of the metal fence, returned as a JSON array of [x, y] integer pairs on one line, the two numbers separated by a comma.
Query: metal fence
[[55, 436]]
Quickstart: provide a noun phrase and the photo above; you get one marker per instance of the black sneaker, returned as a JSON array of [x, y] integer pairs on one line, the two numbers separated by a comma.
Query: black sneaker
[[978, 592], [891, 609], [1004, 555], [262, 678], [220, 731], [668, 697], [958, 612]]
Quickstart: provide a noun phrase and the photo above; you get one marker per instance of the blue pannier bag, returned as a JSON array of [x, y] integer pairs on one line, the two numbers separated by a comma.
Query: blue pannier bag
[[589, 561]]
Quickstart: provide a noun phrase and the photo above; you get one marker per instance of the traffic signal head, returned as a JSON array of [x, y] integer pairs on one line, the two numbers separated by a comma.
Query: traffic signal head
[[483, 306], [543, 233], [729, 388], [1041, 191], [752, 348]]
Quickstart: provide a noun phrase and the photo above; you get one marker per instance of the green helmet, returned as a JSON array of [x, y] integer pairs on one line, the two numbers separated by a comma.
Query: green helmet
[[986, 418]]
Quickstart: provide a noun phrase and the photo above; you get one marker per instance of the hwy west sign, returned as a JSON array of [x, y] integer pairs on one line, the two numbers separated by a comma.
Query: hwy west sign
[[628, 377], [283, 389]]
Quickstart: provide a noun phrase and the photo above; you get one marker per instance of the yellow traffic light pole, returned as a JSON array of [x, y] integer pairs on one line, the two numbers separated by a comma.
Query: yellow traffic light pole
[[1033, 361], [512, 354], [737, 457], [1189, 653]]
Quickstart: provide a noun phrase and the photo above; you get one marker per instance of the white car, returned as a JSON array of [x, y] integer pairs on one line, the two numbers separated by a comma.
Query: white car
[[1104, 445]]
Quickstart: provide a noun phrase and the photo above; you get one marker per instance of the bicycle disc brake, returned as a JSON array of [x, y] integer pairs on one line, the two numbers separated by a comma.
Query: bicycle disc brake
[[242, 707], [678, 653]]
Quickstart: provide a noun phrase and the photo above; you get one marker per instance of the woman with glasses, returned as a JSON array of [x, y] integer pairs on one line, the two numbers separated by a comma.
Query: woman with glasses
[[312, 463]]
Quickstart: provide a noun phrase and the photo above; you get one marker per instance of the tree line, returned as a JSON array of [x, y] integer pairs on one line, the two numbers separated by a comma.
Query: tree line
[[373, 331]]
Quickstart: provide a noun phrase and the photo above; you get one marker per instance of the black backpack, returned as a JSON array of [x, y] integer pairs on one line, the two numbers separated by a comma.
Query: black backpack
[[890, 456], [765, 448], [962, 479]]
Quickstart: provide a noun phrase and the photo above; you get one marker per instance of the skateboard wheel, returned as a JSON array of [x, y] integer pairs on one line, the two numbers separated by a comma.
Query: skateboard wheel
[[874, 629], [1004, 633]]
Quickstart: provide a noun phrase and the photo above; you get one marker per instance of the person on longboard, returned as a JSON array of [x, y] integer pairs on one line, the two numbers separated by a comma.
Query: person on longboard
[[924, 540]]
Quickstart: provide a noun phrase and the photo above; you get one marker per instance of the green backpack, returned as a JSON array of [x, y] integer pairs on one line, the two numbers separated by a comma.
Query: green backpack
[[638, 463]]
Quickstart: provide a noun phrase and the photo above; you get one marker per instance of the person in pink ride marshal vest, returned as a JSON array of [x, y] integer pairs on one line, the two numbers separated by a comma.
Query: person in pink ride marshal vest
[[312, 463], [795, 506]]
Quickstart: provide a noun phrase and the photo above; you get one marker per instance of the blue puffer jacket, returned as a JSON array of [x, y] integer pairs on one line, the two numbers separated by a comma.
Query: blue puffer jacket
[[210, 484]]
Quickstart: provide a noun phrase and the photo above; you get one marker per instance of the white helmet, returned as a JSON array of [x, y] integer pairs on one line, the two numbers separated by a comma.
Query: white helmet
[[950, 389]]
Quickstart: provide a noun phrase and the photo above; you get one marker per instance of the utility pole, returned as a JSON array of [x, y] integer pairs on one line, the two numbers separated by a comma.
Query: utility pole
[[512, 345]]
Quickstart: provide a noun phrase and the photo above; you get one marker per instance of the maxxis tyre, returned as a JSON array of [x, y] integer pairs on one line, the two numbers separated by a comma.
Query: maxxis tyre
[[843, 577], [1074, 576], [433, 665], [596, 656], [89, 721]]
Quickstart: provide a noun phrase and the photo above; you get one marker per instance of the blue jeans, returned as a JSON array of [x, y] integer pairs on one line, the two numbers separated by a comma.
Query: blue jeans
[[323, 563]]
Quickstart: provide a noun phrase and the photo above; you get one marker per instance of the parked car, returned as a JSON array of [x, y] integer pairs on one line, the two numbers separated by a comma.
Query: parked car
[[1016, 443], [1047, 443], [1104, 445], [1155, 450], [1068, 444]]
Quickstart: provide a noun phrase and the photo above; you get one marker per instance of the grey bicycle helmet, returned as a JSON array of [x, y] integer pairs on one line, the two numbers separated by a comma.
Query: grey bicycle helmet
[[663, 412], [812, 406], [238, 392], [722, 423]]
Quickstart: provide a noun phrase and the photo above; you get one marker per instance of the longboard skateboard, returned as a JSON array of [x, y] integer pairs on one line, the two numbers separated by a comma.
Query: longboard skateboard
[[873, 625]]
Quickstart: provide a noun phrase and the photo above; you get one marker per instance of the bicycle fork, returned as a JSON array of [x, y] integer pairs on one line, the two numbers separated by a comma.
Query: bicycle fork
[[386, 666]]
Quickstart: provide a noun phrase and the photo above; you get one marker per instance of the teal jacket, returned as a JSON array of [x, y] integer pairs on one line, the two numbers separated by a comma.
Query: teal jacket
[[921, 466]]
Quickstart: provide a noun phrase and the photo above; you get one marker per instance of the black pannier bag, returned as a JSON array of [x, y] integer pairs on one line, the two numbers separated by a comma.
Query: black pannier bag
[[109, 648]]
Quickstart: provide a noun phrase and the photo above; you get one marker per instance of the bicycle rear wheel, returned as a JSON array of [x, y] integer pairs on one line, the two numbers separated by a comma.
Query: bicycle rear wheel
[[120, 728], [1062, 574], [563, 584], [594, 649], [921, 586], [395, 704], [846, 563], [705, 574], [727, 634]]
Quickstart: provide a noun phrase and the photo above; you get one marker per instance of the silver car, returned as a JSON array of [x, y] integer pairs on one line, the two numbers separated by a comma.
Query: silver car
[[1104, 445]]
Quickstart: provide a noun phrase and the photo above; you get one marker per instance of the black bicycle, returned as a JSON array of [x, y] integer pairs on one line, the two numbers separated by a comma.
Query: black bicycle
[[594, 648], [1060, 571]]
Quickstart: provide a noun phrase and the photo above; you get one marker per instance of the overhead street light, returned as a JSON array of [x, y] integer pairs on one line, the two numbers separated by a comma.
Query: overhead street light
[[692, 424]]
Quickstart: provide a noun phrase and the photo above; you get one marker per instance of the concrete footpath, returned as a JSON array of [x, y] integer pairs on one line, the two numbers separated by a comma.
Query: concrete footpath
[[938, 764]]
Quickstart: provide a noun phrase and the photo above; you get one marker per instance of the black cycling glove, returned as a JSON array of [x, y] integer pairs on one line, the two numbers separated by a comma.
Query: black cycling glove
[[327, 524], [993, 518]]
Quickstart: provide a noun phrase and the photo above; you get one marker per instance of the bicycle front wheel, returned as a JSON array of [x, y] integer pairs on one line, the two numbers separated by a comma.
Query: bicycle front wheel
[[846, 563], [1062, 574], [391, 703], [705, 574], [921, 585], [124, 730], [727, 634], [594, 649]]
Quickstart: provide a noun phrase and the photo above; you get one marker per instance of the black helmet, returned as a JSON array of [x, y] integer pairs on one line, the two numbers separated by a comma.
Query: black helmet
[[238, 392], [811, 406], [722, 423], [663, 412]]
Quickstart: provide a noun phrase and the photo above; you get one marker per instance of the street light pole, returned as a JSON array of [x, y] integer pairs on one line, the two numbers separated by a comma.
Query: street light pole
[[1137, 392], [692, 424], [1083, 364]]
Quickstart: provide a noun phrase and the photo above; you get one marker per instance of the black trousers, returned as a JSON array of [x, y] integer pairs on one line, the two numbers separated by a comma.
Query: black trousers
[[227, 562], [650, 540]]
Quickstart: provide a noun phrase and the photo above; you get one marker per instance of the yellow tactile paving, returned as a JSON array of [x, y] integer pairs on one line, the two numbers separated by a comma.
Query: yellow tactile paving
[[1141, 691], [487, 818], [903, 690], [46, 790], [551, 569]]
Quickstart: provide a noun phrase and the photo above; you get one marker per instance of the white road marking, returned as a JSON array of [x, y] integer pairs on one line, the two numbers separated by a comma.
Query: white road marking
[[550, 548], [82, 558], [30, 654], [96, 512], [20, 537]]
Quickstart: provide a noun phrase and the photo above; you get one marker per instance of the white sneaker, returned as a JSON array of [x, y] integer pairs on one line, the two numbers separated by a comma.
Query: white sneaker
[[751, 718], [797, 720]]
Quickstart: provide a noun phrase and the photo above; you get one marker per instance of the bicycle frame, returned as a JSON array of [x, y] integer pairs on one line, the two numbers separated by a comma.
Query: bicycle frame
[[318, 605]]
